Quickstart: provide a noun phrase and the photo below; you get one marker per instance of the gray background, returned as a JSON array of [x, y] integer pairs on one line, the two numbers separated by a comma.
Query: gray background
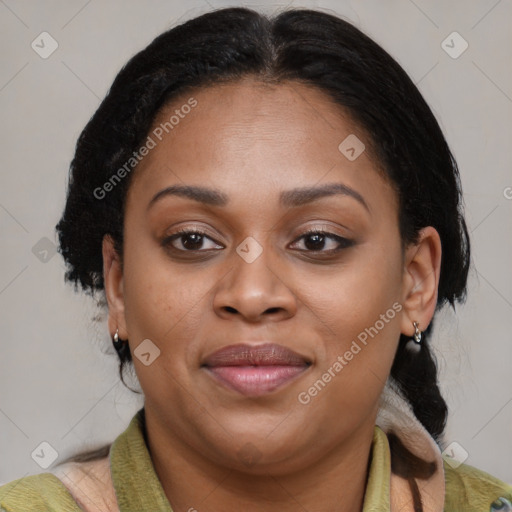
[[57, 383]]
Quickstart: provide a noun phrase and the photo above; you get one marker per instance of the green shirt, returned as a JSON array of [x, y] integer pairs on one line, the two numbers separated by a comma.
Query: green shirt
[[138, 489]]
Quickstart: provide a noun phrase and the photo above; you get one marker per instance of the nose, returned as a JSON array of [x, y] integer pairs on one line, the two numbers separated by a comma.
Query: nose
[[254, 291]]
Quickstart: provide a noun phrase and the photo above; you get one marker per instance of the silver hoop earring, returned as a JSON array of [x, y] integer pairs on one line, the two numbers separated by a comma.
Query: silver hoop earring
[[121, 347], [414, 343], [116, 341], [417, 333]]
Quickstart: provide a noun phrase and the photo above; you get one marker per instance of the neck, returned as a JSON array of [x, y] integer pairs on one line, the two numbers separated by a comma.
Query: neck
[[336, 481]]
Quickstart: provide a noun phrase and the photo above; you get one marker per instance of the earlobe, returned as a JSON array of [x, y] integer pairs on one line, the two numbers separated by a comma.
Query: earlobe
[[113, 282], [422, 267]]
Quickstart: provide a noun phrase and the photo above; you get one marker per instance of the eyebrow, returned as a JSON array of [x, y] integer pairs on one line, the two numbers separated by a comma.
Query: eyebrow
[[289, 198]]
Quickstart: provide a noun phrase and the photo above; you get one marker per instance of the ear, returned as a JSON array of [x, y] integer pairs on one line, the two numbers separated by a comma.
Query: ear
[[422, 267], [113, 279]]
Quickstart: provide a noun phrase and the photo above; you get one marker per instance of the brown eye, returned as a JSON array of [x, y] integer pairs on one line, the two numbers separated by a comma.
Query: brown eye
[[189, 240], [322, 241]]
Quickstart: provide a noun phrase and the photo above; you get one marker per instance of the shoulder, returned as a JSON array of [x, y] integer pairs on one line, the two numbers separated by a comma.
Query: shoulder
[[473, 490], [36, 493]]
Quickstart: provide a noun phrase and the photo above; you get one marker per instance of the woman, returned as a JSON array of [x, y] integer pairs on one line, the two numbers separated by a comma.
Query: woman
[[274, 217]]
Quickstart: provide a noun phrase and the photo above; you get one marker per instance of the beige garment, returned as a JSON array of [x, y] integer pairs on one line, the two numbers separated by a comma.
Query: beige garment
[[395, 415], [90, 484]]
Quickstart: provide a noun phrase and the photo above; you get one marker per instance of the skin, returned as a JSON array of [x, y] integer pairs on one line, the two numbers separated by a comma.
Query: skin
[[252, 141]]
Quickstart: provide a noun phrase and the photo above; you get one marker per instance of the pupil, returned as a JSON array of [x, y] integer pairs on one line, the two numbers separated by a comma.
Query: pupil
[[196, 242], [318, 241]]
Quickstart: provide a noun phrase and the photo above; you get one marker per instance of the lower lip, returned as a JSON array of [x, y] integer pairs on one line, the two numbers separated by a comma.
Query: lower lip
[[256, 380]]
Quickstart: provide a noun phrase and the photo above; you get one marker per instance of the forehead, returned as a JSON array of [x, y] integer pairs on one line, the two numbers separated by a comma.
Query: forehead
[[250, 139]]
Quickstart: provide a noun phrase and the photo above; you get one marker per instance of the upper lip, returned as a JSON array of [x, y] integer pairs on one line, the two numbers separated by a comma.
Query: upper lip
[[266, 354]]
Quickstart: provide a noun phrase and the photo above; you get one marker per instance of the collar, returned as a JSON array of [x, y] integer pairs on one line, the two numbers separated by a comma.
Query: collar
[[137, 486], [136, 483]]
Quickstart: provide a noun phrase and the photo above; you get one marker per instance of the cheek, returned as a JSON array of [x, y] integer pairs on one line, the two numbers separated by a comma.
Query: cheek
[[364, 329], [162, 303], [354, 297], [359, 311]]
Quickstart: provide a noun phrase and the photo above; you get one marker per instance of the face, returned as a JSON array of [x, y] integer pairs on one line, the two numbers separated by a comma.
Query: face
[[233, 264]]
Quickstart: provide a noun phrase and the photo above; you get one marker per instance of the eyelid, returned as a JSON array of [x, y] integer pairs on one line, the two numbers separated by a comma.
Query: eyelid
[[327, 228], [316, 228], [194, 229]]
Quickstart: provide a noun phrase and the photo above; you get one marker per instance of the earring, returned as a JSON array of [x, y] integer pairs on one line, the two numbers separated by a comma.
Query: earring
[[118, 344], [122, 347], [417, 333], [414, 343]]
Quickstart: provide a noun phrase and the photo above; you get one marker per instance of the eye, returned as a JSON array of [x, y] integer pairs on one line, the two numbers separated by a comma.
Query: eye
[[189, 240], [316, 240]]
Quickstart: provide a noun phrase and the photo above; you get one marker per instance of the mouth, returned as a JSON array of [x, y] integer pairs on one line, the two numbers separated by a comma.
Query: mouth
[[255, 370]]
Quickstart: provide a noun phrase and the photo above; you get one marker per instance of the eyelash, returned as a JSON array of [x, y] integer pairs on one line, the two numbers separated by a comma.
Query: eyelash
[[344, 243]]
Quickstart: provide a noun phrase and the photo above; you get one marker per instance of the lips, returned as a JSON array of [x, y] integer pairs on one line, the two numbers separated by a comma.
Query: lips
[[255, 370]]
